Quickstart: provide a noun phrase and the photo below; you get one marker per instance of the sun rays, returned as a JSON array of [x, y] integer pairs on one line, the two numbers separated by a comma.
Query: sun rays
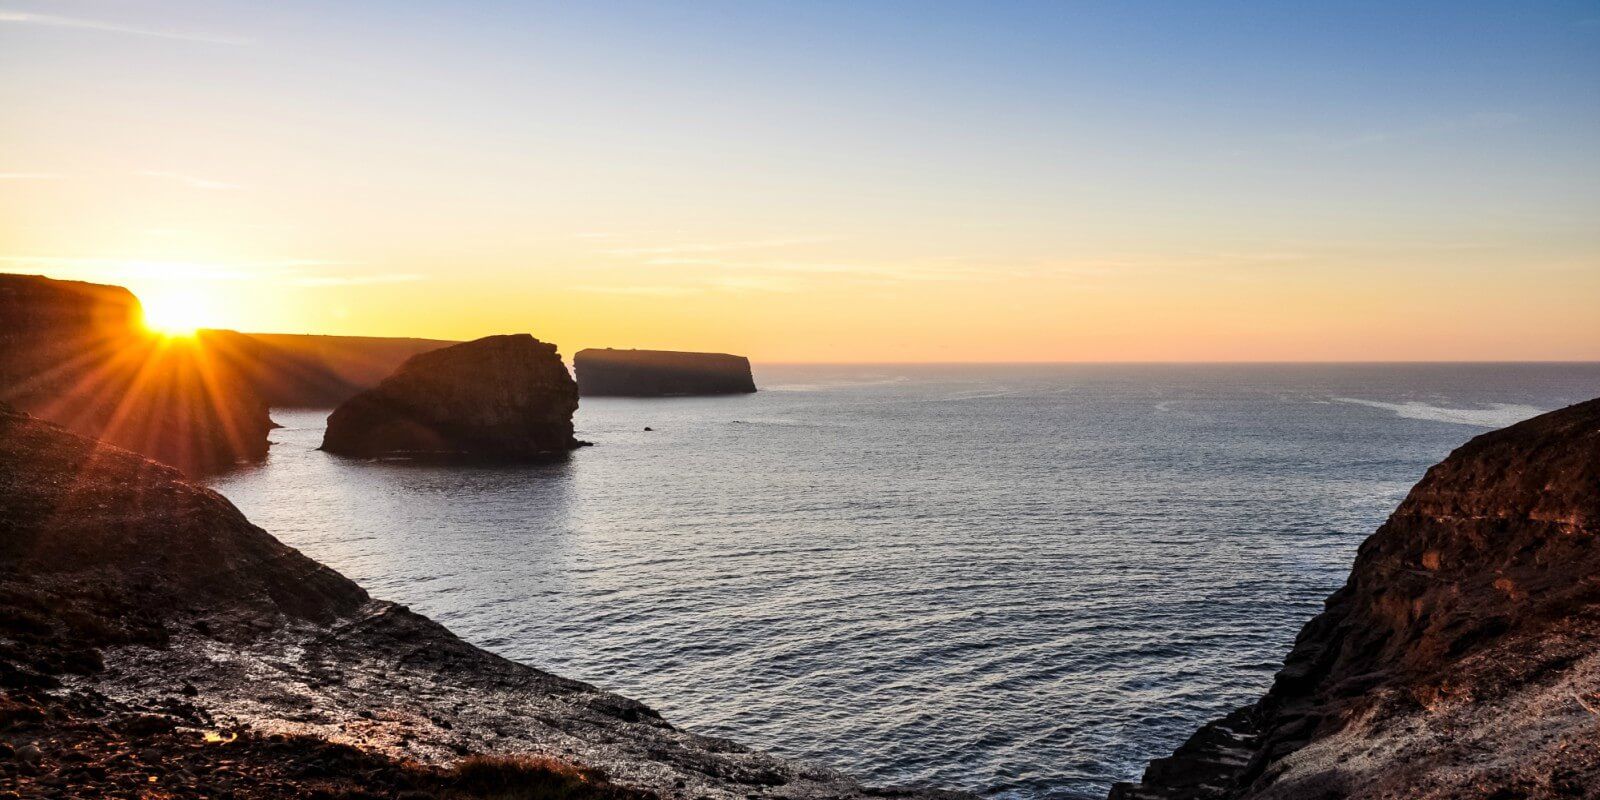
[[177, 310]]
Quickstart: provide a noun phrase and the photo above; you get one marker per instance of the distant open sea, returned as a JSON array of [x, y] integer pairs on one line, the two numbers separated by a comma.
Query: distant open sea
[[1019, 580]]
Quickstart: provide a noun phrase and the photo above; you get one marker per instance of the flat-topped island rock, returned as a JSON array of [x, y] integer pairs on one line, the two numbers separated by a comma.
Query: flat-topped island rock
[[496, 397], [660, 373]]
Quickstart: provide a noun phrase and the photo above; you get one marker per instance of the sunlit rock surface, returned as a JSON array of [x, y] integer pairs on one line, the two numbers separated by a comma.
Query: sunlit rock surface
[[151, 638], [499, 397], [77, 354], [660, 373], [1462, 658]]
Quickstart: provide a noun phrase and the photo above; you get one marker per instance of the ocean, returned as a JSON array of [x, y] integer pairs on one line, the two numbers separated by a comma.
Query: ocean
[[1022, 580]]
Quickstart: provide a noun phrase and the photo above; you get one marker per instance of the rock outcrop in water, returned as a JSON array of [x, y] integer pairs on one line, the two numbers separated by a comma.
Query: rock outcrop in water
[[1461, 659], [499, 397], [660, 373], [78, 354], [154, 643]]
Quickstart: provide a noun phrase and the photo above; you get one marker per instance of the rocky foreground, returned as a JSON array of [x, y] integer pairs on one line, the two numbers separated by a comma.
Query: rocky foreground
[[154, 643], [1462, 658]]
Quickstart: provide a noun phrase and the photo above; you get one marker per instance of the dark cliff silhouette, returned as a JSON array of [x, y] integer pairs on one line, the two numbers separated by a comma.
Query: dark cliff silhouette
[[311, 371], [78, 354], [499, 397], [660, 373]]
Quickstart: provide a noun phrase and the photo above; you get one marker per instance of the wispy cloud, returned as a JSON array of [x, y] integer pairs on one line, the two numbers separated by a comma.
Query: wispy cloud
[[715, 247], [30, 176], [301, 272], [53, 21], [191, 181], [646, 291], [356, 280]]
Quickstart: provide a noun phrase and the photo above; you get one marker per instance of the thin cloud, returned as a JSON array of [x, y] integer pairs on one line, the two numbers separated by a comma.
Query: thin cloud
[[645, 291], [716, 247], [192, 181], [30, 176], [356, 280], [300, 272], [53, 21]]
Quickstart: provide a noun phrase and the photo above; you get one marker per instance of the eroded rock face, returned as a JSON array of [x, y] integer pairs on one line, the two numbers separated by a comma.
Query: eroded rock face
[[1460, 660], [77, 354], [139, 611], [660, 373], [498, 397]]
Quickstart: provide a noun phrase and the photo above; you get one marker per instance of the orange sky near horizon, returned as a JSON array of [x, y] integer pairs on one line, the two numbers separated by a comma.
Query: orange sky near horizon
[[1027, 182]]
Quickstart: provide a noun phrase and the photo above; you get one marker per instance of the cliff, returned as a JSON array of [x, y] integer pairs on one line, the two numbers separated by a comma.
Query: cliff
[[155, 643], [1460, 660], [500, 396], [306, 371], [660, 373], [77, 354]]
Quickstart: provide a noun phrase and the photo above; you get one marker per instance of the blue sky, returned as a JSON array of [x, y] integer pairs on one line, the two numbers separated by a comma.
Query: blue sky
[[1098, 154]]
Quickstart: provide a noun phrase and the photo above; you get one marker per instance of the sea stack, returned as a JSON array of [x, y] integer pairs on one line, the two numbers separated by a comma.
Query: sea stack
[[496, 397], [1460, 660], [660, 373], [78, 354]]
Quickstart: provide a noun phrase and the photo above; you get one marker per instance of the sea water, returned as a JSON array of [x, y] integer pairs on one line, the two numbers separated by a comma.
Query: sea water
[[1021, 580]]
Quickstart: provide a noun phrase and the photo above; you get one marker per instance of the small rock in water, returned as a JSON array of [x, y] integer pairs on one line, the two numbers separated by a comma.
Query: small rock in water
[[648, 428], [30, 753]]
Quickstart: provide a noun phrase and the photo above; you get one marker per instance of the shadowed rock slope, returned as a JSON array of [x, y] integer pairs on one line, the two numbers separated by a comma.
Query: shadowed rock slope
[[1460, 660], [78, 354], [499, 397], [307, 371], [155, 643], [660, 373]]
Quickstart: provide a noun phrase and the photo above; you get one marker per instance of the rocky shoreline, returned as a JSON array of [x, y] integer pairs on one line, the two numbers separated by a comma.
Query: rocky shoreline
[[152, 638], [1461, 659]]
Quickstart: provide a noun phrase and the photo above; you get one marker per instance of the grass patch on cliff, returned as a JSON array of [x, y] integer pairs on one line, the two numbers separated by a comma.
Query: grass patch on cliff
[[526, 777]]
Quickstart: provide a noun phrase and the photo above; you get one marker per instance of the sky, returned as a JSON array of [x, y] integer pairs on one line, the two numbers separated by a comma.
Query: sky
[[825, 181]]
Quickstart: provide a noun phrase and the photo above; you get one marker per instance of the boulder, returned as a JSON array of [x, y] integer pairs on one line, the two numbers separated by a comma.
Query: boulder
[[660, 373], [499, 397]]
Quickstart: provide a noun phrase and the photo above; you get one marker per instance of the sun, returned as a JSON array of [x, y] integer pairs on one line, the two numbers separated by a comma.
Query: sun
[[175, 311]]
